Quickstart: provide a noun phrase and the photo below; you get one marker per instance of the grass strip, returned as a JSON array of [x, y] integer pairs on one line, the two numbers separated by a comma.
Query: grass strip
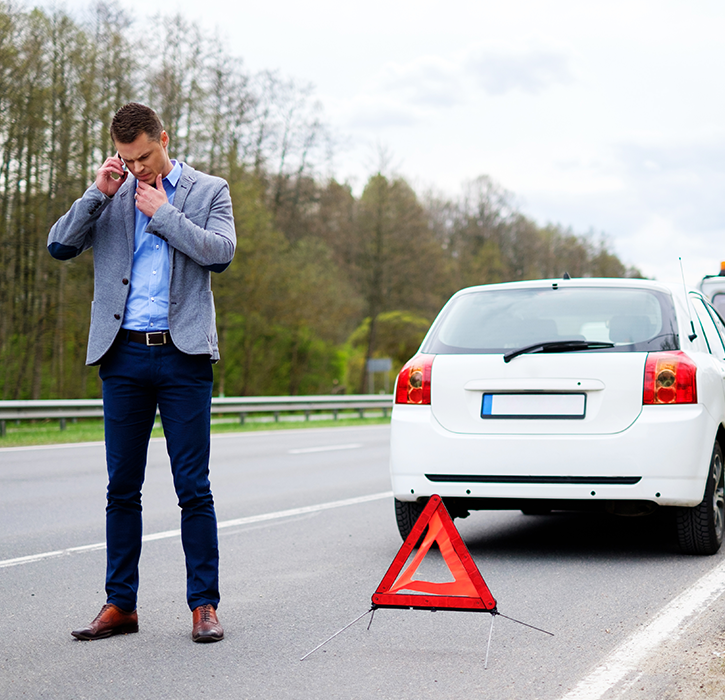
[[48, 432]]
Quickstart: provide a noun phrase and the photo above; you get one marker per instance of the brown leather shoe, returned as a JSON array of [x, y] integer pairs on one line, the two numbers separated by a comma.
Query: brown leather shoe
[[111, 620], [206, 625]]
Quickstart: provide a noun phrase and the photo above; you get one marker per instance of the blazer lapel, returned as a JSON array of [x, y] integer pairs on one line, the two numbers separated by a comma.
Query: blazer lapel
[[128, 207], [186, 181], [183, 187]]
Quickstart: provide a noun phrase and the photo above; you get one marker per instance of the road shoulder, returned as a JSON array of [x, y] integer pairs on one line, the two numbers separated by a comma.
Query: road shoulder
[[690, 666]]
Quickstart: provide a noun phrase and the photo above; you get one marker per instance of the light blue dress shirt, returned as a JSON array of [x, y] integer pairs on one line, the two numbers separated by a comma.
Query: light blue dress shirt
[[147, 305]]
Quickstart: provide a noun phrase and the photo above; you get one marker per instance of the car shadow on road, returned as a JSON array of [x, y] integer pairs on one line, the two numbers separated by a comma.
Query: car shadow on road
[[570, 534]]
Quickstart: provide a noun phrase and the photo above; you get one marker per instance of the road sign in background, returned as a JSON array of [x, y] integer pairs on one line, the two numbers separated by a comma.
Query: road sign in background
[[381, 365]]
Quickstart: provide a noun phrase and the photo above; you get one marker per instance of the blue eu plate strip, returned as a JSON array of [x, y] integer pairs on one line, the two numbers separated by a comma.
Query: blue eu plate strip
[[487, 404]]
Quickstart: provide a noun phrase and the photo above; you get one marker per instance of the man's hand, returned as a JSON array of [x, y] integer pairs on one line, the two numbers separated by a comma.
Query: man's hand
[[148, 199], [105, 181]]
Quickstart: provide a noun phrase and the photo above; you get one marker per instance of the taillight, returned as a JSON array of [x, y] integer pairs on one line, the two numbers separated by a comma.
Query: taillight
[[414, 381], [669, 377]]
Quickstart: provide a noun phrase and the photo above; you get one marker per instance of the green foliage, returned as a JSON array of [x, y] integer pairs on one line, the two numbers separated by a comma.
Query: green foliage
[[282, 307], [316, 265], [399, 334]]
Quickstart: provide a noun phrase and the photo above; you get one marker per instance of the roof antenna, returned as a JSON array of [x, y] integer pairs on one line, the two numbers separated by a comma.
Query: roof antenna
[[566, 276], [692, 335]]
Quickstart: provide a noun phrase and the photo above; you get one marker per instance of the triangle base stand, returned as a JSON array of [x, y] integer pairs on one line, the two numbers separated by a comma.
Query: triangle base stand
[[372, 610]]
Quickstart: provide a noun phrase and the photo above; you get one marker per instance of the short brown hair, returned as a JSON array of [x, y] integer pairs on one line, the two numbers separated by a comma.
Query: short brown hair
[[135, 119]]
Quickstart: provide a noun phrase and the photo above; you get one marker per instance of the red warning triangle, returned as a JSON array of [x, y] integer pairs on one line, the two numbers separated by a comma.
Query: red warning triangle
[[467, 592]]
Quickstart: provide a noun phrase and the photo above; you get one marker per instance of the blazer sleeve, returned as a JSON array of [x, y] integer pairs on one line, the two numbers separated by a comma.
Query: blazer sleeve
[[205, 234], [73, 232]]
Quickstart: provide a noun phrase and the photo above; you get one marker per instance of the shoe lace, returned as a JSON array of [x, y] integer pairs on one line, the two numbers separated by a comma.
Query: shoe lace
[[206, 611], [103, 609]]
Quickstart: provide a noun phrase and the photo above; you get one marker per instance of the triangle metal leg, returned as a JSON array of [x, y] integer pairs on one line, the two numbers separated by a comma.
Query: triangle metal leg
[[488, 646], [339, 632]]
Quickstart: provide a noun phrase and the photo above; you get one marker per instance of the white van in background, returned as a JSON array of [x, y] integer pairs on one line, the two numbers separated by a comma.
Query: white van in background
[[713, 287]]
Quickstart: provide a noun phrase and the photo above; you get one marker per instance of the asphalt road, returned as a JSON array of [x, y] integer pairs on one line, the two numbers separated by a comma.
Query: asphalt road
[[302, 552]]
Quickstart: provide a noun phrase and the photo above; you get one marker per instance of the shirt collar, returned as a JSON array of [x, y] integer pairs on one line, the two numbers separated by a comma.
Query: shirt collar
[[174, 174], [173, 177]]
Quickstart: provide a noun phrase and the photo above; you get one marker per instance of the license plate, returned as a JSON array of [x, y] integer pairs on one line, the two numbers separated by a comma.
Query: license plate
[[534, 406]]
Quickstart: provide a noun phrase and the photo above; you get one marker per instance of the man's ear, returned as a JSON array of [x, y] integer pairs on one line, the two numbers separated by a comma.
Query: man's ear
[[164, 139]]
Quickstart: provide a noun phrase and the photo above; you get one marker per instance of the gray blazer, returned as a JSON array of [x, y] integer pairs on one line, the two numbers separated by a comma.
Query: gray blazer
[[199, 228]]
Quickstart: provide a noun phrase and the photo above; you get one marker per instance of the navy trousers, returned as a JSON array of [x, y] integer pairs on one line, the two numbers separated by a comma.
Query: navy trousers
[[137, 379]]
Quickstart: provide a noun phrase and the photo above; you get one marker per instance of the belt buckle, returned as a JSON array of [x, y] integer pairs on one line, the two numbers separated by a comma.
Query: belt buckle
[[162, 335]]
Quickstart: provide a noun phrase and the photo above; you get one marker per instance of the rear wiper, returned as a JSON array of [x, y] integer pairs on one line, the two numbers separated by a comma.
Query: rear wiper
[[558, 346]]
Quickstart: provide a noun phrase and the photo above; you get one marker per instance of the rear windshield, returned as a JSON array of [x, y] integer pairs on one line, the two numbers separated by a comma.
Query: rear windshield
[[500, 320]]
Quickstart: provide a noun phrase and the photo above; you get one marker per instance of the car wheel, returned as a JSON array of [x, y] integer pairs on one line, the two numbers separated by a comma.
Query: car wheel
[[406, 514], [700, 529]]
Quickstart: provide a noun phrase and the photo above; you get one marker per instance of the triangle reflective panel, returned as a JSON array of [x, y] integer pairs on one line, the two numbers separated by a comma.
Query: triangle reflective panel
[[468, 590]]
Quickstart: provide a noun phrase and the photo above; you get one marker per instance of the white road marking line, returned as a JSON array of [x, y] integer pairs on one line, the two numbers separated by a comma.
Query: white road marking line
[[224, 524], [57, 446], [49, 555], [326, 448], [669, 623]]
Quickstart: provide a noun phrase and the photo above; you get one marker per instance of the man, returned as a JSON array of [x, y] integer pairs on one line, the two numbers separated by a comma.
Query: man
[[158, 228]]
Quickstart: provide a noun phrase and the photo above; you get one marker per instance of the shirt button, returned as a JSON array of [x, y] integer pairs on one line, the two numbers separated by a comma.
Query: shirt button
[[154, 271], [151, 324], [124, 280], [117, 316]]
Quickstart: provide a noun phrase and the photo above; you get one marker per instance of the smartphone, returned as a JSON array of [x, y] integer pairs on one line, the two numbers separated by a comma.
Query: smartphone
[[115, 176]]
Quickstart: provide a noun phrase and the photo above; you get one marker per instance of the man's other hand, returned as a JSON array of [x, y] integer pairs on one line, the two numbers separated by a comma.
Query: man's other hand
[[148, 198], [105, 180]]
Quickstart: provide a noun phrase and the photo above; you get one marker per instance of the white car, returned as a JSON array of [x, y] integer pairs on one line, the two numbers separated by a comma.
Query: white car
[[713, 288], [569, 394]]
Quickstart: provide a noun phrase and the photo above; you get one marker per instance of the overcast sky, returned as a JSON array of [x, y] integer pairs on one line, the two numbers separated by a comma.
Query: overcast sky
[[604, 116]]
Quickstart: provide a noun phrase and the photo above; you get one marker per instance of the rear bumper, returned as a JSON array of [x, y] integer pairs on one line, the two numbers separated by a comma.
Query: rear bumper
[[666, 453]]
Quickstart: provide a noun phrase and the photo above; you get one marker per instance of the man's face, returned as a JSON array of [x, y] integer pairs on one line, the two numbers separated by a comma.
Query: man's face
[[146, 158]]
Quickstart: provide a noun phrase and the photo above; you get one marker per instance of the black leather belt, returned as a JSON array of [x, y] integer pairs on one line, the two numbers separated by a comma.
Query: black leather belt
[[153, 338]]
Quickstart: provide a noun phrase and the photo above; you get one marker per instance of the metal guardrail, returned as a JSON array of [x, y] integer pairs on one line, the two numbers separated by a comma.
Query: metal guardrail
[[62, 409]]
